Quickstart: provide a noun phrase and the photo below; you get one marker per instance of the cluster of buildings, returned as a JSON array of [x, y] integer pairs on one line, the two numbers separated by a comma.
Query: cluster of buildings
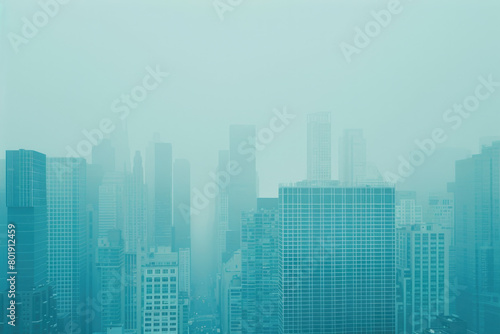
[[99, 249], [356, 255], [105, 248]]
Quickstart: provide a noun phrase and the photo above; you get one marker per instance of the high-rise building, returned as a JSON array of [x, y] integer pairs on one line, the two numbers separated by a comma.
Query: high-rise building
[[160, 292], [27, 211], [112, 203], [259, 269], [159, 182], [135, 229], [477, 239], [221, 210], [130, 293], [95, 174], [231, 317], [68, 237], [408, 213], [242, 191], [182, 204], [185, 270], [352, 157], [440, 210], [319, 146], [184, 289], [104, 155], [111, 274], [336, 259], [423, 276]]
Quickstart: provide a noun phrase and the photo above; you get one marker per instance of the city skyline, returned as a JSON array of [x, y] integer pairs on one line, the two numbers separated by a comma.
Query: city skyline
[[249, 167]]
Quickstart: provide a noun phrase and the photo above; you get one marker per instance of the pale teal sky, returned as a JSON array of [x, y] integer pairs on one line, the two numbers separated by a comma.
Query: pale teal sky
[[265, 54]]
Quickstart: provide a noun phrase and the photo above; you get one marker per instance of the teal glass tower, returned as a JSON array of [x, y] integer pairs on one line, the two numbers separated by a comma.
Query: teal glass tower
[[68, 236], [336, 259], [27, 210], [259, 268], [477, 239]]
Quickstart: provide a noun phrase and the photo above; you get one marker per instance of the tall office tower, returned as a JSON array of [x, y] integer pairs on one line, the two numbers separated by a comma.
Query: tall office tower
[[27, 210], [319, 146], [337, 259], [95, 176], [423, 276], [104, 155], [160, 292], [112, 203], [136, 219], [111, 273], [182, 204], [242, 192], [184, 288], [231, 320], [477, 239], [440, 210], [68, 238], [119, 141], [352, 157], [259, 270], [222, 210], [185, 270], [159, 182], [133, 289], [184, 307], [408, 213]]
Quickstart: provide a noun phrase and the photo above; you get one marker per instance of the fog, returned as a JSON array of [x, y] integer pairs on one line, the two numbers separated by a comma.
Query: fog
[[261, 57]]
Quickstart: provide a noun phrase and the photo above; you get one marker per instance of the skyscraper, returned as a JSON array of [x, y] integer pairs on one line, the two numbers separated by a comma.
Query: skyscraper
[[27, 210], [182, 204], [184, 288], [337, 259], [352, 157], [242, 194], [477, 239], [112, 203], [319, 146], [135, 229], [221, 210], [423, 276], [159, 182], [259, 269], [440, 210], [231, 320], [408, 213], [68, 237], [132, 290], [104, 155], [160, 292], [111, 274]]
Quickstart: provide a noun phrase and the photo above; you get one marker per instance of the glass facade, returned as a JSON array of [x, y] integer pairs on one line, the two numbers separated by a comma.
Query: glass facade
[[336, 260], [67, 252], [259, 271]]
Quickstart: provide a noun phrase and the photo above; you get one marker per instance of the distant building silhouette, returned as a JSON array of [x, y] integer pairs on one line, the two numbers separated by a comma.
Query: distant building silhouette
[[319, 146], [352, 157]]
